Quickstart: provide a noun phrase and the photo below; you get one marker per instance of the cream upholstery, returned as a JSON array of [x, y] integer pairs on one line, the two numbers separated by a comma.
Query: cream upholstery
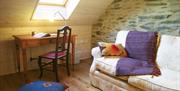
[[96, 53], [168, 55], [169, 80], [168, 59], [121, 37], [107, 64], [109, 83]]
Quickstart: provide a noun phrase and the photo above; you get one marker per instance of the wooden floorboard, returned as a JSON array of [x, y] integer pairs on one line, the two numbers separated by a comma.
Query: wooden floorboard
[[78, 80]]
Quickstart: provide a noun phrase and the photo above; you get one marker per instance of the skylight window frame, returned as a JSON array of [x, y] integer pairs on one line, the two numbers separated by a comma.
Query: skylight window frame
[[65, 11], [53, 4], [51, 14], [47, 4]]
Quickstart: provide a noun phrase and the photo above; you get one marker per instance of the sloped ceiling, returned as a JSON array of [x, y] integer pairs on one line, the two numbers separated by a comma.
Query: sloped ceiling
[[19, 13]]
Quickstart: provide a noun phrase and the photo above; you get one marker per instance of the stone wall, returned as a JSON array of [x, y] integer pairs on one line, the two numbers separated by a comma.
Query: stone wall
[[144, 15]]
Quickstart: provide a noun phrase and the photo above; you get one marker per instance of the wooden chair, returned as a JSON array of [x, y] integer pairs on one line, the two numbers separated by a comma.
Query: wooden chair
[[61, 53]]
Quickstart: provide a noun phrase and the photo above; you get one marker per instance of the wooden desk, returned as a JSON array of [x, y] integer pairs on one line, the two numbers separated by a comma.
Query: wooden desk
[[27, 41]]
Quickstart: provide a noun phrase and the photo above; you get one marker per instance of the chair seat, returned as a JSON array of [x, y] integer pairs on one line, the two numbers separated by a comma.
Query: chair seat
[[51, 55], [42, 86]]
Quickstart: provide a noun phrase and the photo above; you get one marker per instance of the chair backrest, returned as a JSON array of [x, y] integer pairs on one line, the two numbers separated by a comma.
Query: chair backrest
[[63, 40]]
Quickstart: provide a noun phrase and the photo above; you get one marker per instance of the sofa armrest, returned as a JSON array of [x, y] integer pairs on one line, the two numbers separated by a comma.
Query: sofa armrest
[[96, 52]]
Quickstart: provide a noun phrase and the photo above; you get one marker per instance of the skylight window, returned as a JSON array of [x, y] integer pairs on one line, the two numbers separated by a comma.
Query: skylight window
[[47, 12], [54, 9], [60, 2]]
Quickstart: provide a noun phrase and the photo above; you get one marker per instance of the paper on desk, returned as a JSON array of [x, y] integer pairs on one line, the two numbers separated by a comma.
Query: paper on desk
[[39, 35]]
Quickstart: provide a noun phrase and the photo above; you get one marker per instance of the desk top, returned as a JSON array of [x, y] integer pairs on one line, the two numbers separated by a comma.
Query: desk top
[[26, 41], [30, 37]]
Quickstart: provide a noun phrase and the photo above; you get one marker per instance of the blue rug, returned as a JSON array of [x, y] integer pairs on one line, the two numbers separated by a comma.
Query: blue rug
[[42, 86]]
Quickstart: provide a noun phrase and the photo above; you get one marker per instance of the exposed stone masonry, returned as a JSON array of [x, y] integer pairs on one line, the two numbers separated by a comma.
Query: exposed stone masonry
[[143, 15]]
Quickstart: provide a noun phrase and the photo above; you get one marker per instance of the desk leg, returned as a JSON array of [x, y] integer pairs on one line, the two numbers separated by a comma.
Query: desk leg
[[24, 65], [24, 62], [21, 63], [18, 52]]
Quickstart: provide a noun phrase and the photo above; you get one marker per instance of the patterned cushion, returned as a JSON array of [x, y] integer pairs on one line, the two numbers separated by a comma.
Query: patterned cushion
[[111, 49], [42, 86]]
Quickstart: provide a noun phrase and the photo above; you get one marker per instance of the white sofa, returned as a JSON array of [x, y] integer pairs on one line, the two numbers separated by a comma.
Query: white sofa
[[103, 74]]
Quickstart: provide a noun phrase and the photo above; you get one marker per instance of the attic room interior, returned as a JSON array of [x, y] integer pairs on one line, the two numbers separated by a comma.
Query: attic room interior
[[90, 45]]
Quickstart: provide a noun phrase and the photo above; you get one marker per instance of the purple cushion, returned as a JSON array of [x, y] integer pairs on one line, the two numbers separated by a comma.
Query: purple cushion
[[129, 66], [142, 45], [141, 49]]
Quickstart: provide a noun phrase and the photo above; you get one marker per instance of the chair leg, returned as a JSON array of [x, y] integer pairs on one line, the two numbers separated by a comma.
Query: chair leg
[[67, 65], [55, 69], [40, 67]]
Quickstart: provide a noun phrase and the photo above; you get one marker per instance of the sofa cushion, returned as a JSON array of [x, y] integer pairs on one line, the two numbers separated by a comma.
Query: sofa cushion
[[141, 48], [107, 65], [121, 37], [169, 80], [112, 49], [168, 55], [129, 66], [142, 45], [108, 82]]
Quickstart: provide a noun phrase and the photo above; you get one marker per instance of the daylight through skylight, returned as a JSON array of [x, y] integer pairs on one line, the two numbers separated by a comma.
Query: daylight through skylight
[[60, 2], [54, 9]]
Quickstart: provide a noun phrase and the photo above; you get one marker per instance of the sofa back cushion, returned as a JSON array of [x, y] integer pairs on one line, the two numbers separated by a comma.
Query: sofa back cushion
[[142, 45], [121, 37], [139, 45], [168, 55]]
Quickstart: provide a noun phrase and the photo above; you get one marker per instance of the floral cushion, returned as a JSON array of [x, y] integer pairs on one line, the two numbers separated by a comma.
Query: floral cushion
[[112, 49]]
